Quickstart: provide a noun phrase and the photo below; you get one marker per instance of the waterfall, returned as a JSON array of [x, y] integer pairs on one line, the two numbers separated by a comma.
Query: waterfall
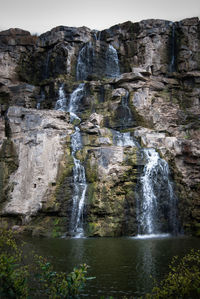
[[79, 179], [112, 62], [80, 186], [123, 139], [85, 62], [155, 201], [172, 50], [97, 35], [74, 101], [157, 206], [126, 111], [61, 102]]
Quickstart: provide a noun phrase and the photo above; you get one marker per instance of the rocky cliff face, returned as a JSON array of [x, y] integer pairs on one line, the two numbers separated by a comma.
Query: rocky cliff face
[[141, 89]]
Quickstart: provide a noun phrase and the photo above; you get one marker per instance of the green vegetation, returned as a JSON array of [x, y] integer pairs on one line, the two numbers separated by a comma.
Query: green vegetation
[[20, 278], [183, 280], [8, 164], [13, 274], [30, 276], [60, 285]]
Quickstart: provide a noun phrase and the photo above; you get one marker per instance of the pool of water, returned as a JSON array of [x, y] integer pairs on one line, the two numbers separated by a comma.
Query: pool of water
[[122, 266]]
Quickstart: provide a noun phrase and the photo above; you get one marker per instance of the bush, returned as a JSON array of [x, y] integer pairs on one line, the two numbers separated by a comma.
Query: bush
[[183, 280], [60, 285], [18, 279], [13, 274]]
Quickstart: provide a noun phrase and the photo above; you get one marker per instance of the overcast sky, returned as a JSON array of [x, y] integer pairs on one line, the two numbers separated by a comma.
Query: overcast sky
[[38, 16]]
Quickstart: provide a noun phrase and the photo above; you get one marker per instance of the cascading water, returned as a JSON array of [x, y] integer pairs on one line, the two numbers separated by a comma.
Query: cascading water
[[79, 179], [157, 205], [97, 35], [88, 65], [80, 187], [112, 62], [156, 201], [61, 103], [85, 62], [74, 101], [126, 111], [123, 139]]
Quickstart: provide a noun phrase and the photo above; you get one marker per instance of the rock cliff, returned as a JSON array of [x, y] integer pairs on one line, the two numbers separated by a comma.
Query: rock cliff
[[141, 90]]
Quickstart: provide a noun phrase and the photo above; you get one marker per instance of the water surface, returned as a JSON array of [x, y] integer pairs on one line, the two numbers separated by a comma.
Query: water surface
[[122, 266]]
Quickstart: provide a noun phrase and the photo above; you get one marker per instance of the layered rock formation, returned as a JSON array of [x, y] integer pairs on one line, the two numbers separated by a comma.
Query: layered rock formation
[[142, 78]]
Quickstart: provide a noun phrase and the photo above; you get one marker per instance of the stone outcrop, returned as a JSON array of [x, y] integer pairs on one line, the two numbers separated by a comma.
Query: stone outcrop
[[39, 139], [142, 78]]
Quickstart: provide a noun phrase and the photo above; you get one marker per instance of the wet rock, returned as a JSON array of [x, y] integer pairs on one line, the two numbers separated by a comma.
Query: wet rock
[[110, 193], [151, 87]]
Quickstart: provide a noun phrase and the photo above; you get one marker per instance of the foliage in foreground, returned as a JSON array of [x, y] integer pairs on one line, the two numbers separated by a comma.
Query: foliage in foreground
[[17, 278], [183, 280], [13, 274], [21, 280]]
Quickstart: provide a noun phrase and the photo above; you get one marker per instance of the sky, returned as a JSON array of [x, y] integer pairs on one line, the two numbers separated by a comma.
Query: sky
[[38, 16]]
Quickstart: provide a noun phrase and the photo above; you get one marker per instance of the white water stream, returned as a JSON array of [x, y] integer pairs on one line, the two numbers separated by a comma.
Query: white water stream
[[112, 62], [158, 201], [79, 179]]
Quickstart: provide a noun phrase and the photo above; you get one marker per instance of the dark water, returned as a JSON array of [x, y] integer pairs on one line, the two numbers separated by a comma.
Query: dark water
[[122, 266]]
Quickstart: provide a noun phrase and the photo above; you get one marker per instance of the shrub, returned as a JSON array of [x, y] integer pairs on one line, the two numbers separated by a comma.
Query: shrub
[[59, 284], [183, 280], [13, 274], [18, 279]]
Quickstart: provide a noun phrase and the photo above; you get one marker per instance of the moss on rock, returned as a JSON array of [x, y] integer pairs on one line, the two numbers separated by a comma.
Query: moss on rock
[[8, 164], [110, 202]]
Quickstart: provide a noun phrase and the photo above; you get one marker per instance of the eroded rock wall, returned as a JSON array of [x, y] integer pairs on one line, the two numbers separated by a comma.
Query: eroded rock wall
[[149, 87]]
